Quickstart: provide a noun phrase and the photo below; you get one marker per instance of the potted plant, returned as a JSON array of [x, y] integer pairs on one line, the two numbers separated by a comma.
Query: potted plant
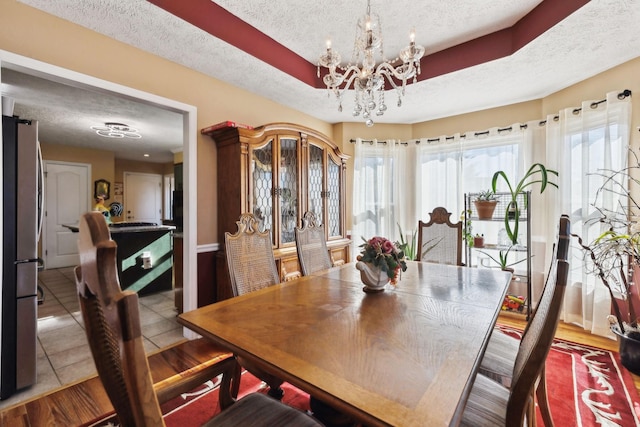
[[478, 241], [502, 260], [485, 203], [537, 173], [615, 253], [408, 246]]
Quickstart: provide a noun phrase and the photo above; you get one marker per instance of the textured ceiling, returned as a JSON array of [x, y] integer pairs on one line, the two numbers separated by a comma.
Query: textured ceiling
[[66, 114], [597, 36]]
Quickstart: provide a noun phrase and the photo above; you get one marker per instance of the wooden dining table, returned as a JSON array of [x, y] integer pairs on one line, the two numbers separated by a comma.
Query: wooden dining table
[[407, 356]]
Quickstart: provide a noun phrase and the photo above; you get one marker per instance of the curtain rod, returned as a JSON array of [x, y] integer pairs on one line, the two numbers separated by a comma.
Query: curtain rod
[[622, 95]]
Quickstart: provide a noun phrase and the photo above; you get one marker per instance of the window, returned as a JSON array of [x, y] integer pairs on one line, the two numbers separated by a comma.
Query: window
[[399, 184]]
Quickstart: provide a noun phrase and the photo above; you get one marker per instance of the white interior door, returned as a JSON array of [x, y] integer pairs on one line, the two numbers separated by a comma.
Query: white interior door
[[66, 187], [143, 197]]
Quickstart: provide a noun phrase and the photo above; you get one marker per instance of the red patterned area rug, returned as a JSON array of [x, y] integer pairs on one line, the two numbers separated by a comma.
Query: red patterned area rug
[[201, 404], [587, 386], [194, 409]]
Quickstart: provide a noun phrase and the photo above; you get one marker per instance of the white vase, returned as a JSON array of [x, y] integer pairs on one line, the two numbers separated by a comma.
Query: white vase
[[373, 277]]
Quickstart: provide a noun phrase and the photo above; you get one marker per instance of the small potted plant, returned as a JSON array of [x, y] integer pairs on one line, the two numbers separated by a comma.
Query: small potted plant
[[485, 202], [478, 241]]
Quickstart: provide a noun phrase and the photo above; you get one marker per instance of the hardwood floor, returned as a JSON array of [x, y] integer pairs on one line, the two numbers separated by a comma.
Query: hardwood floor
[[85, 401]]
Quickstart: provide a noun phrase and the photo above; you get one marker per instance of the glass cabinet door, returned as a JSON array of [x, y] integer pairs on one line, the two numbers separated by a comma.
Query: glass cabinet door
[[288, 189], [262, 177], [333, 199], [316, 182]]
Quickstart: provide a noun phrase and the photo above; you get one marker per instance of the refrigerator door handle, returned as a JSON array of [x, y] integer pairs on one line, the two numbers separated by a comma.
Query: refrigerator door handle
[[26, 261], [40, 191]]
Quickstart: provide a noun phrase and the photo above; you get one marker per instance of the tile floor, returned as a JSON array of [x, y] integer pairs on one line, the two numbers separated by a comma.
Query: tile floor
[[63, 355]]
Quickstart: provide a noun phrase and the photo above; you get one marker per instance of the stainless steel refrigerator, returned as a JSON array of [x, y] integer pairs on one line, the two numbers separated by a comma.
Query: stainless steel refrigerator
[[22, 201]]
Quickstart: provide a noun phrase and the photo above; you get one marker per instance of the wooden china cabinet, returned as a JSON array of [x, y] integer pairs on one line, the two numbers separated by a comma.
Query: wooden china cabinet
[[278, 172]]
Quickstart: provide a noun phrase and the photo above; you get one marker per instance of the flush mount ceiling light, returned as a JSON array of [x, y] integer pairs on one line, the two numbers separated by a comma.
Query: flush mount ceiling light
[[367, 78], [117, 130]]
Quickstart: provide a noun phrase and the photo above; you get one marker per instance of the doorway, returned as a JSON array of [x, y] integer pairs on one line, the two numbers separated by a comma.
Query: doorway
[[143, 197], [23, 64], [66, 187]]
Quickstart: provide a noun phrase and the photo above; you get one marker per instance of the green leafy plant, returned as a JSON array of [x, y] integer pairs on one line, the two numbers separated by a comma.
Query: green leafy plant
[[616, 250], [408, 247], [537, 174], [502, 260], [430, 244], [486, 196], [467, 229], [609, 255]]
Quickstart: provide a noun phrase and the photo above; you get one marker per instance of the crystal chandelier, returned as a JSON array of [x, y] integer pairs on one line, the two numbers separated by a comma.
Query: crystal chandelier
[[367, 78]]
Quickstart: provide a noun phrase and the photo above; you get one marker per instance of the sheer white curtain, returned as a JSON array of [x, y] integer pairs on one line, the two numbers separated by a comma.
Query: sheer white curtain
[[384, 189], [495, 149], [581, 141], [439, 176], [454, 165]]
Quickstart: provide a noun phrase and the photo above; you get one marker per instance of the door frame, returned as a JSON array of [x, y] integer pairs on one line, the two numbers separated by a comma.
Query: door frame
[[189, 113]]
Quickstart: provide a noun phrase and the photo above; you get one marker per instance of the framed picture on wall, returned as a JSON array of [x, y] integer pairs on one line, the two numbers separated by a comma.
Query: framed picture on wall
[[101, 188]]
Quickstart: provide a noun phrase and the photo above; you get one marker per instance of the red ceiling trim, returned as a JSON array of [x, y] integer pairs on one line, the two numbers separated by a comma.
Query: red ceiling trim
[[218, 22], [543, 17]]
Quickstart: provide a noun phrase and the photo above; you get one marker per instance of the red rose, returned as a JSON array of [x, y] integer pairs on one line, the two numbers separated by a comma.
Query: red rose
[[387, 247]]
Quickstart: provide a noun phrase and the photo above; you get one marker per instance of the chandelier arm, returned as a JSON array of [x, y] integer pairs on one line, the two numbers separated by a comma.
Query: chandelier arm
[[389, 77], [410, 70], [349, 75]]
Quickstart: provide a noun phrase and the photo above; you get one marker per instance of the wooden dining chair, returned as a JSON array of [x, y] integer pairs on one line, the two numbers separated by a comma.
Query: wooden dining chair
[[114, 333], [502, 349], [250, 259], [311, 245], [252, 266], [440, 240], [492, 404]]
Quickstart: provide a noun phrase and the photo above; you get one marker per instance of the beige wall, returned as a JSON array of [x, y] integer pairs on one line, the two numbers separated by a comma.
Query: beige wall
[[622, 77], [29, 32], [479, 121], [102, 162], [595, 88]]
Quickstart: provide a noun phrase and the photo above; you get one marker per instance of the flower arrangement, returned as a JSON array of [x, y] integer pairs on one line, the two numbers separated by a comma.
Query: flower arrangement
[[384, 254]]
